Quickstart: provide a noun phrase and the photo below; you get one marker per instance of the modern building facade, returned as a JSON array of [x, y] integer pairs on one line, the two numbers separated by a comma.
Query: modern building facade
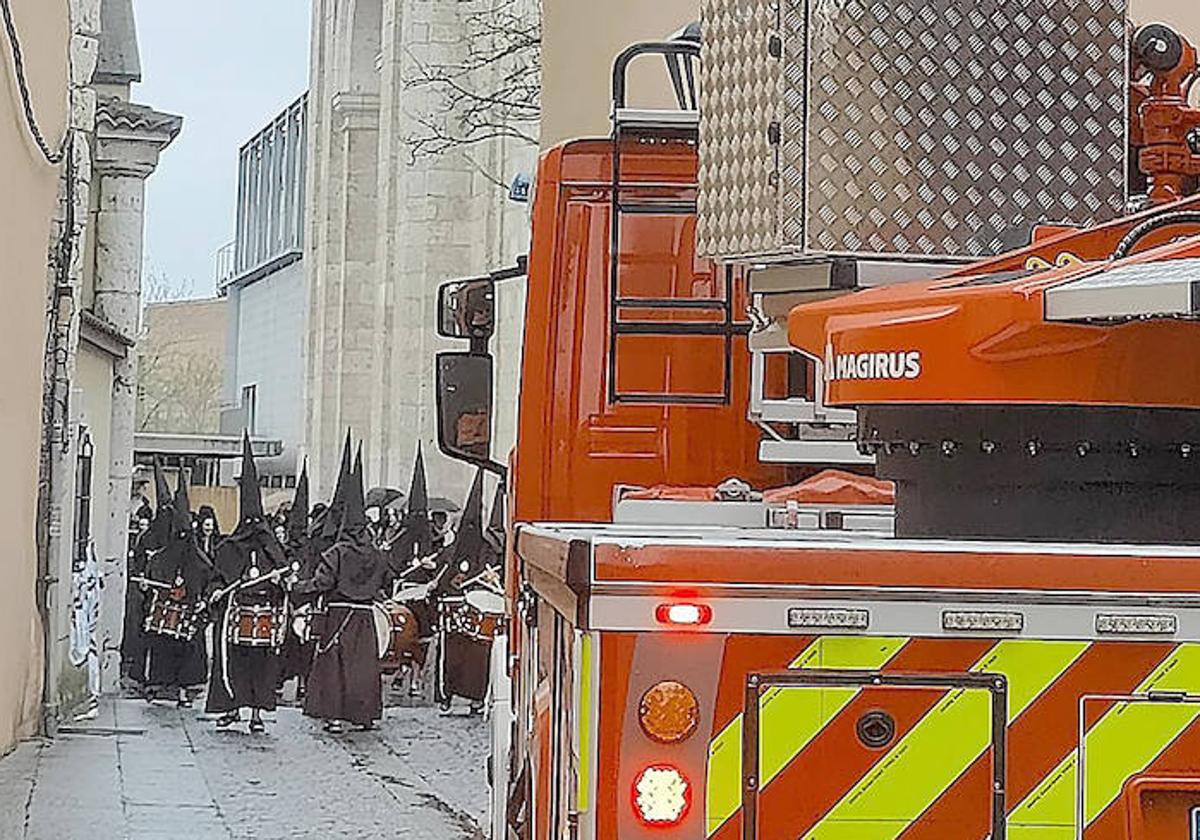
[[265, 299]]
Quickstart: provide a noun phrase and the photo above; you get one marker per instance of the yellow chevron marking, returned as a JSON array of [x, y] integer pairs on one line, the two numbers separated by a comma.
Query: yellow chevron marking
[[1121, 744], [793, 716], [948, 740]]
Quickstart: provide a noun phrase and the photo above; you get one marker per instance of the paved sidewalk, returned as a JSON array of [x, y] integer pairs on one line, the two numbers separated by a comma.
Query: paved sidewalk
[[142, 772]]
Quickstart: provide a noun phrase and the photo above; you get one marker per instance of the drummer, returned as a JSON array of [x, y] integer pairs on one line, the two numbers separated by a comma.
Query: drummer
[[464, 659], [344, 683], [250, 565], [179, 574]]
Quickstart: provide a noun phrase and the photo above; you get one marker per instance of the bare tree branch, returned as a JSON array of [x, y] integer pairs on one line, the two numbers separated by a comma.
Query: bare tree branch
[[493, 93]]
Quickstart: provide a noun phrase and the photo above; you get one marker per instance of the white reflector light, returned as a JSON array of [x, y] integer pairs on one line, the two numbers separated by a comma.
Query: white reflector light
[[1137, 625], [661, 795], [800, 617], [987, 621]]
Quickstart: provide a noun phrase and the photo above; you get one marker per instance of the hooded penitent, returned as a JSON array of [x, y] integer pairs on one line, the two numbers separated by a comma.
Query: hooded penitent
[[181, 562], [245, 675], [344, 678]]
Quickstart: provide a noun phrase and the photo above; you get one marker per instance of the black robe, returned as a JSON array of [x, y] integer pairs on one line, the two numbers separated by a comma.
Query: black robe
[[464, 664], [344, 682], [134, 645], [244, 675], [296, 656], [180, 663]]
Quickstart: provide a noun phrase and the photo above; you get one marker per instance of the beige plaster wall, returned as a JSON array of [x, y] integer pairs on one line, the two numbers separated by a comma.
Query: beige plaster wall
[[29, 186], [580, 39], [182, 366]]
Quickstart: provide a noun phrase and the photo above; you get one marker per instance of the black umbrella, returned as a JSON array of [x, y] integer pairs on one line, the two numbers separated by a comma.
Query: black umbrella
[[381, 497], [440, 504]]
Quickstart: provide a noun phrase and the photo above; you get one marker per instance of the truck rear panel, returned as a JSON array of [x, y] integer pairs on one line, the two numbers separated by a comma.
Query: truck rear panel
[[871, 687]]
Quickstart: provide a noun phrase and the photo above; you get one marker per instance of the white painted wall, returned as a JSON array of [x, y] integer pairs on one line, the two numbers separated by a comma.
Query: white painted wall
[[270, 334]]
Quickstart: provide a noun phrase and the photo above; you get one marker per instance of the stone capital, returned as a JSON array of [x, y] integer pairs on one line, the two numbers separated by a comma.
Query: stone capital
[[356, 111], [129, 137]]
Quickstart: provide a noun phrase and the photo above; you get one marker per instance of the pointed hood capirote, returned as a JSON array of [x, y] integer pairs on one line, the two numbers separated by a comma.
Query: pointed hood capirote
[[468, 553], [181, 561], [416, 539], [250, 505], [494, 533], [297, 518], [162, 491], [332, 519], [181, 518], [160, 526], [354, 512]]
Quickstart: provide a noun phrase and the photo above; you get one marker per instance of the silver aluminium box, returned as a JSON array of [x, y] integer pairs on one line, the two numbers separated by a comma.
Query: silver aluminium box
[[907, 127]]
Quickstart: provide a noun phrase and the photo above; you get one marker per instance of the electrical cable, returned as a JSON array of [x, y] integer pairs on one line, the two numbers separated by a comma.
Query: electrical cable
[[1139, 232], [53, 157]]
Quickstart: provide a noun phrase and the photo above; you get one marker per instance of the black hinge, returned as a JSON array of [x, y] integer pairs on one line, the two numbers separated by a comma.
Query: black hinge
[[775, 46], [527, 604], [774, 133]]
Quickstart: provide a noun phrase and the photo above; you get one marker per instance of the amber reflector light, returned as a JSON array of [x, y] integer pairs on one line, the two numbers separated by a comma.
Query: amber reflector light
[[669, 712]]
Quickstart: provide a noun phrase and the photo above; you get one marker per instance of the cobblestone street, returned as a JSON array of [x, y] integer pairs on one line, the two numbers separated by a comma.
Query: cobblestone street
[[142, 772]]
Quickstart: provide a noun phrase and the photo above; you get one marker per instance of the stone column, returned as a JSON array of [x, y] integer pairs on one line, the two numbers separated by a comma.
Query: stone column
[[125, 157]]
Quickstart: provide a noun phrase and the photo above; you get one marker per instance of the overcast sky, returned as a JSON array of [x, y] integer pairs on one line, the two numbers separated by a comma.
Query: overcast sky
[[228, 67]]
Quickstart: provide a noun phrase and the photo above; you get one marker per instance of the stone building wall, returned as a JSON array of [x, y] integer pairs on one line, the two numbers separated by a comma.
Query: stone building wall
[[385, 228]]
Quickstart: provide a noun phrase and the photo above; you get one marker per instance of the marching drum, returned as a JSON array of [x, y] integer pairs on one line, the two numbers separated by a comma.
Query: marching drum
[[396, 634], [171, 618], [256, 626], [477, 616]]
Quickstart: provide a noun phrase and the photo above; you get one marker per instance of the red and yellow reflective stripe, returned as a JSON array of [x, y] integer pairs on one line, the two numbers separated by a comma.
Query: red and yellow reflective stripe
[[943, 745], [1125, 741], [794, 717]]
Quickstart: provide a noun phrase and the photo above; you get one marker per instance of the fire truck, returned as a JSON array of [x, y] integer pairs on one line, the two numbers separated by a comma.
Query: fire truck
[[953, 591]]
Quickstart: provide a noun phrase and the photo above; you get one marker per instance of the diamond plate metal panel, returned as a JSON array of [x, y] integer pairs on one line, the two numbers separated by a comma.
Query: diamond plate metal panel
[[740, 91], [920, 127]]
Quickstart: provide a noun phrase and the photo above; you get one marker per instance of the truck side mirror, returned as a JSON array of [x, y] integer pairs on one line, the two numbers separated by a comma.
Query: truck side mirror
[[467, 309], [464, 408]]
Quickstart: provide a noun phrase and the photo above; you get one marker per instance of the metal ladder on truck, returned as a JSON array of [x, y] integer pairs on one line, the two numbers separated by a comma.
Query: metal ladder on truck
[[716, 313]]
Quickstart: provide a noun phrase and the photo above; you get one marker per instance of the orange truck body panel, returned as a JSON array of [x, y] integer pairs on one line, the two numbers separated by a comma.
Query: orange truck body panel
[[989, 342], [574, 446]]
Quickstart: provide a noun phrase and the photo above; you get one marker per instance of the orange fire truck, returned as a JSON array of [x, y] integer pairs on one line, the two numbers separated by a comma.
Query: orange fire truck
[[1008, 646]]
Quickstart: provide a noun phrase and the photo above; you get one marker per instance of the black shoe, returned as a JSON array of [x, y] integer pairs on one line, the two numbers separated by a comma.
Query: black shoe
[[257, 727], [227, 720], [184, 703], [333, 727]]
